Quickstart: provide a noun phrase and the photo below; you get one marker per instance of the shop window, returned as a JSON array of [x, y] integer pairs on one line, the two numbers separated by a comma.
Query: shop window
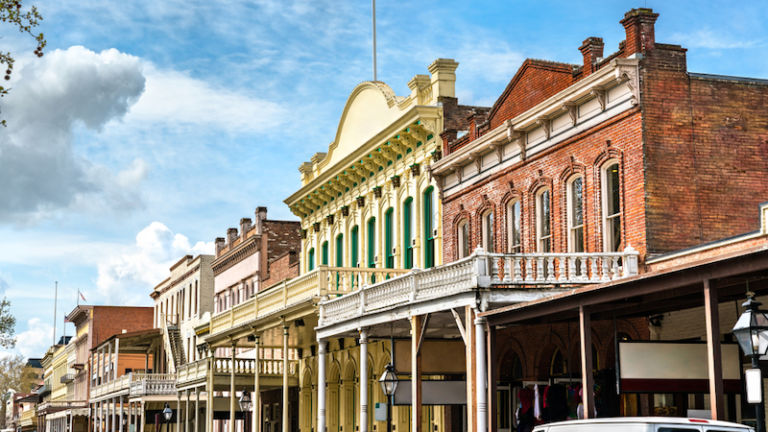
[[514, 227], [575, 208], [487, 230], [324, 250], [389, 244], [371, 242], [408, 233], [463, 237], [354, 246], [430, 225], [543, 221], [311, 260], [611, 207]]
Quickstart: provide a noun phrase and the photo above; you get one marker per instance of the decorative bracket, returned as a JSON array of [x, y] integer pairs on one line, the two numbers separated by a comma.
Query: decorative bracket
[[600, 94], [573, 111], [630, 74], [546, 124]]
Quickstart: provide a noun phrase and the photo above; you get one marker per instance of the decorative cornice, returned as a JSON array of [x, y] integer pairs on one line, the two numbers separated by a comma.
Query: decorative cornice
[[243, 251]]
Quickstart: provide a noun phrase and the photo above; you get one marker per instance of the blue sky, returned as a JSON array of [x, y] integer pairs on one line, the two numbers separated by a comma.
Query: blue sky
[[150, 127]]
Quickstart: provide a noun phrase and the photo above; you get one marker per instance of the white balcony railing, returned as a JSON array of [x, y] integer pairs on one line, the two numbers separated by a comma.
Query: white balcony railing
[[482, 270], [267, 367], [137, 384]]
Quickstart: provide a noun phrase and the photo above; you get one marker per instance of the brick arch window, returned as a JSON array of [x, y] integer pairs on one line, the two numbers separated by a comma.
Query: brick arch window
[[544, 220], [487, 232], [610, 188], [514, 213], [463, 248], [574, 192]]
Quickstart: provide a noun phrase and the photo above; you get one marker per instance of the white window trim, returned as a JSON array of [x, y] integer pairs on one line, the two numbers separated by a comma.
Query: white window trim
[[539, 216], [604, 201], [570, 212], [511, 224]]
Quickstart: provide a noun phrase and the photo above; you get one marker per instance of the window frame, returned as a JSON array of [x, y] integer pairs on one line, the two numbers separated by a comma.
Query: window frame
[[571, 227], [463, 248], [325, 250], [408, 233], [428, 205], [540, 237], [340, 250], [389, 239], [487, 231], [511, 246], [371, 241], [607, 219], [354, 246]]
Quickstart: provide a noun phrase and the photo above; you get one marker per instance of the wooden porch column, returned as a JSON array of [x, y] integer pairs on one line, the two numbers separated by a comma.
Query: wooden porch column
[[481, 378], [232, 391], [363, 381], [143, 416], [186, 412], [122, 422], [585, 346], [209, 392], [416, 326], [178, 412], [714, 356], [320, 386], [197, 409], [256, 419], [285, 379]]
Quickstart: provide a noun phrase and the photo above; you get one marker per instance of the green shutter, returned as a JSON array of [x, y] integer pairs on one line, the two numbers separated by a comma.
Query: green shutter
[[311, 259], [340, 250], [407, 244], [354, 244], [325, 252], [429, 238], [371, 242], [390, 257]]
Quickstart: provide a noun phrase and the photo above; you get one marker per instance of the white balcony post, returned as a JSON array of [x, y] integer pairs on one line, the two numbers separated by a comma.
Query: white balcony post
[[630, 261], [178, 412], [363, 381], [186, 413], [197, 409], [122, 423], [256, 421], [232, 395], [482, 394], [320, 386], [285, 378]]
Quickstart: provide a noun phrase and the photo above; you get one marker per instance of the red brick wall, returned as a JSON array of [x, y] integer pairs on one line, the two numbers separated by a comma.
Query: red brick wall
[[282, 236], [585, 154], [706, 153], [111, 320], [284, 267]]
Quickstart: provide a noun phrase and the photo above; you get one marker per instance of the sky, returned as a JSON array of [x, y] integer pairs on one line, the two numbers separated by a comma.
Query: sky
[[150, 127]]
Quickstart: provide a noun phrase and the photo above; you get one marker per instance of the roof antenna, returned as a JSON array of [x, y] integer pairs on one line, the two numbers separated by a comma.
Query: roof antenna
[[373, 9]]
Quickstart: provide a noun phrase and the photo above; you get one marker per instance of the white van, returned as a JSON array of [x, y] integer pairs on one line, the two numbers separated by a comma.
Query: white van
[[643, 424]]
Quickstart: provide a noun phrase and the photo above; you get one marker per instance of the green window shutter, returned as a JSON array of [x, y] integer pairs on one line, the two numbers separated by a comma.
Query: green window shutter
[[311, 259], [429, 238], [354, 246], [388, 239], [371, 242], [325, 252], [340, 250], [407, 243]]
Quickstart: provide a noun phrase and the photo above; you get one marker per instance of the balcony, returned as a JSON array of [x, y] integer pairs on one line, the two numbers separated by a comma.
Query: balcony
[[197, 372], [485, 271], [28, 418], [323, 281], [137, 384], [67, 378]]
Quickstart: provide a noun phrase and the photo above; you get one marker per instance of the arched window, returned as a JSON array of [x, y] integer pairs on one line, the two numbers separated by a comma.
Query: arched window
[[371, 242], [557, 366], [389, 240], [488, 239], [611, 207], [514, 227], [430, 227], [543, 218], [463, 238], [575, 208], [408, 233], [340, 250], [354, 247], [324, 248], [311, 260]]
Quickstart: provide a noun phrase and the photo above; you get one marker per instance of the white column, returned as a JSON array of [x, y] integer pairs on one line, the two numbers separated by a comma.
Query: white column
[[255, 420], [186, 413], [363, 381], [197, 409], [480, 385], [320, 386], [178, 411], [107, 417], [121, 414], [285, 379], [232, 392]]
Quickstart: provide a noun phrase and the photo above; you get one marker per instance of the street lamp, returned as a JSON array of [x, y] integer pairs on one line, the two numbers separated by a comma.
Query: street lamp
[[751, 331], [245, 406], [167, 414], [388, 383]]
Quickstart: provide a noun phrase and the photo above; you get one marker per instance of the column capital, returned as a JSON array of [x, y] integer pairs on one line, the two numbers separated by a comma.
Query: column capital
[[322, 346], [480, 321], [363, 335]]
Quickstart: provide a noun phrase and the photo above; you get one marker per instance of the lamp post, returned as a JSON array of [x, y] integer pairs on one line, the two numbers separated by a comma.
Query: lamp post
[[388, 383], [751, 331], [167, 414], [246, 404]]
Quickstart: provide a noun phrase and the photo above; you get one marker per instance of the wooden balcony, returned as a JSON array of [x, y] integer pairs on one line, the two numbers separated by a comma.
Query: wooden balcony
[[136, 384], [306, 289], [270, 371]]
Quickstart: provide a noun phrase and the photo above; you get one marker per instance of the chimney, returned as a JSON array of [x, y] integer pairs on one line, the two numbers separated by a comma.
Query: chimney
[[592, 50], [443, 77], [231, 235], [220, 242], [261, 216], [638, 23], [245, 226]]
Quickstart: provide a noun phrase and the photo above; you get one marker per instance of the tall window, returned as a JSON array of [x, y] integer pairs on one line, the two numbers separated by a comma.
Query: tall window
[[389, 243], [408, 233], [543, 217], [514, 227], [463, 236], [311, 260], [575, 197], [429, 228], [325, 259], [340, 250], [371, 242], [354, 247], [611, 207], [487, 231]]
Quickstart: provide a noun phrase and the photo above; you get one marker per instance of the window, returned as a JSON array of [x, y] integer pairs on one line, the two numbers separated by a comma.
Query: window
[[340, 250], [429, 228], [543, 216], [371, 242], [575, 197], [389, 247], [354, 247], [463, 236], [325, 253], [311, 260], [611, 208], [408, 233], [487, 230], [514, 227]]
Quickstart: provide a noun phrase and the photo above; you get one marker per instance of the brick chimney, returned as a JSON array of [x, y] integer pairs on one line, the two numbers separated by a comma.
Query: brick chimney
[[261, 216], [220, 243], [592, 50], [245, 226], [638, 23], [231, 235]]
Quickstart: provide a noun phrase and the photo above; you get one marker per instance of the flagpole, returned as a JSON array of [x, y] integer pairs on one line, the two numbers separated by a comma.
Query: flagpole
[[55, 301], [373, 7]]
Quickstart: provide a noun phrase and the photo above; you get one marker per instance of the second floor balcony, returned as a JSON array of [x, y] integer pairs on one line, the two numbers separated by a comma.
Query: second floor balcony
[[195, 373], [136, 384]]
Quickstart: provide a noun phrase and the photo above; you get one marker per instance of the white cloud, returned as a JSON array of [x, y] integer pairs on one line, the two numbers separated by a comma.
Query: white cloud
[[39, 170], [175, 98], [34, 341], [708, 39], [128, 277]]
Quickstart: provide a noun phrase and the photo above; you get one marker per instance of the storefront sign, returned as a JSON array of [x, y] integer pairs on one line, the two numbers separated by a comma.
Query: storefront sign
[[754, 379]]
